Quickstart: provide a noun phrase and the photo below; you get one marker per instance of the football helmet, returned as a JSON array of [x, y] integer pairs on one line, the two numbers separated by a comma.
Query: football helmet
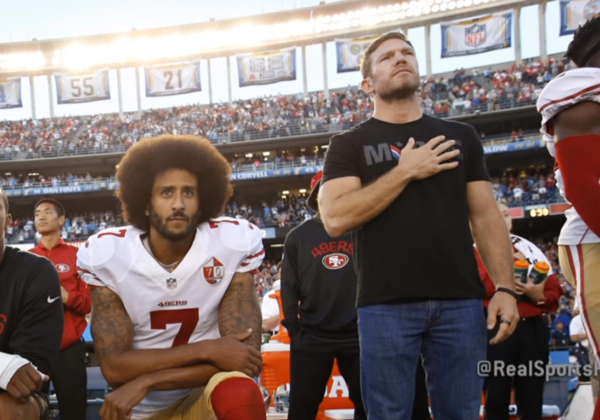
[[282, 398]]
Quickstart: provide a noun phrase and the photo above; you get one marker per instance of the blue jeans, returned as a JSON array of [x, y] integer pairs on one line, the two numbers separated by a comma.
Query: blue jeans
[[452, 337]]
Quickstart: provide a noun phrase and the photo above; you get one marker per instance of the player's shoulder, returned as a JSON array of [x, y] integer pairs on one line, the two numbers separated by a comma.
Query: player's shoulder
[[22, 258], [236, 234], [352, 136], [569, 85], [110, 242]]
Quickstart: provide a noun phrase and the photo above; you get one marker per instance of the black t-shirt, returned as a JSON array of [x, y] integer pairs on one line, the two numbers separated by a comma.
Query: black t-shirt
[[31, 309], [317, 271], [420, 247]]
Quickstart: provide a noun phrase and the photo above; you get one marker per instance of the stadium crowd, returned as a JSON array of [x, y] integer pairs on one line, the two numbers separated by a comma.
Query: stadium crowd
[[466, 92]]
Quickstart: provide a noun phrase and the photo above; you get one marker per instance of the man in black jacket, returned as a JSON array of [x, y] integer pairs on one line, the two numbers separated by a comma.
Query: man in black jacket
[[318, 291], [31, 328]]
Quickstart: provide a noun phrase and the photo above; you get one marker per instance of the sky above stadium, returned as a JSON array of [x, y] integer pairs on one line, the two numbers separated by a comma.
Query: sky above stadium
[[41, 19]]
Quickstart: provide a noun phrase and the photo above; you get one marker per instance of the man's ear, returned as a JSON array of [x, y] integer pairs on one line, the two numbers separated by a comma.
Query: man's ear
[[7, 223], [366, 85]]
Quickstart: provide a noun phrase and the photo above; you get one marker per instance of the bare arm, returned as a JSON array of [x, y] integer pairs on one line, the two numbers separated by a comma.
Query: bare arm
[[345, 205], [490, 233], [270, 323], [494, 246], [240, 310], [113, 339]]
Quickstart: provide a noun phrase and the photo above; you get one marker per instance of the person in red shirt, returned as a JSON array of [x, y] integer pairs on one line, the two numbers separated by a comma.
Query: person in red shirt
[[528, 345], [70, 376]]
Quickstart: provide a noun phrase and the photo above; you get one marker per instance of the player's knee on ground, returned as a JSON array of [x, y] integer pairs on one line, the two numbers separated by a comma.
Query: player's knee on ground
[[238, 399], [12, 410]]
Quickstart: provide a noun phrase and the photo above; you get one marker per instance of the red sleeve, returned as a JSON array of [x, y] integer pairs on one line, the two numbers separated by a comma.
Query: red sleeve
[[485, 277], [553, 292], [80, 298]]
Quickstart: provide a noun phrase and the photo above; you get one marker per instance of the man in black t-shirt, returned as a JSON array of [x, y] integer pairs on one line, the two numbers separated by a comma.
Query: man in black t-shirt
[[408, 186], [318, 291], [31, 328]]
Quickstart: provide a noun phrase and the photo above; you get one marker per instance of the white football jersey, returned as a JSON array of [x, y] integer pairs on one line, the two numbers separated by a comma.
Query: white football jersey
[[566, 90], [171, 308]]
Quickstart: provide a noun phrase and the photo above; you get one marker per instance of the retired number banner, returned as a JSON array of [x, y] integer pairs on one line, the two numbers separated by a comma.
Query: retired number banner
[[266, 68], [172, 79], [87, 87], [10, 93], [350, 52], [475, 36], [576, 12]]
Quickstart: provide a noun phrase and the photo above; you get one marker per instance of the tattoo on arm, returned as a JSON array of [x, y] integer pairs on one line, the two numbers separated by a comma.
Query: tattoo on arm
[[111, 327], [240, 309]]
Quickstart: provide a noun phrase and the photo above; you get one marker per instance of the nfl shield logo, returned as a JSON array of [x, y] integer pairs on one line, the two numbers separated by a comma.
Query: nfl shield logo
[[171, 283], [475, 35]]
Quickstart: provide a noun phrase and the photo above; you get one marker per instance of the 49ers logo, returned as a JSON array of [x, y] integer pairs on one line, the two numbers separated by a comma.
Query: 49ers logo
[[62, 268], [213, 271], [335, 261]]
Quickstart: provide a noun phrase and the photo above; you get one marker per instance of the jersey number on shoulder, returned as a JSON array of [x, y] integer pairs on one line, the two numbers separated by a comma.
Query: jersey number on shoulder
[[188, 318], [215, 223], [119, 234]]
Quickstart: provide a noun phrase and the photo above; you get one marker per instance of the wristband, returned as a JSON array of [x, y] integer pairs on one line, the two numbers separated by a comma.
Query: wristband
[[510, 292], [9, 364]]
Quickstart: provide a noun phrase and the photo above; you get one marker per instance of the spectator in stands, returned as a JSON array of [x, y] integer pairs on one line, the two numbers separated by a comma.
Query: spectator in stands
[[69, 377], [530, 342], [560, 337], [367, 188], [31, 327]]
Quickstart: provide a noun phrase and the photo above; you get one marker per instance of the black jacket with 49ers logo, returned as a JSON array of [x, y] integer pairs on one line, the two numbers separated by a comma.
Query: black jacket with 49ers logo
[[318, 283]]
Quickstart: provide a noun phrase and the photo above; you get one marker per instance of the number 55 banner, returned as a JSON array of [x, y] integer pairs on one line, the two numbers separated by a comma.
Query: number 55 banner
[[267, 68], [89, 87], [10, 93], [172, 79]]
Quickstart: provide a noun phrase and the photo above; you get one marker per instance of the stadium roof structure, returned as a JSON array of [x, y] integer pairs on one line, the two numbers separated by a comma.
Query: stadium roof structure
[[266, 32]]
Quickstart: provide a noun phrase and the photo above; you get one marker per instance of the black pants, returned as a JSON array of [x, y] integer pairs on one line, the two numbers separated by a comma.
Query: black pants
[[70, 383], [421, 402], [529, 343], [311, 363]]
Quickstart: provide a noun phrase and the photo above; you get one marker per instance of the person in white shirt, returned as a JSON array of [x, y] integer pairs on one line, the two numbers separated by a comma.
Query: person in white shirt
[[176, 319], [271, 314]]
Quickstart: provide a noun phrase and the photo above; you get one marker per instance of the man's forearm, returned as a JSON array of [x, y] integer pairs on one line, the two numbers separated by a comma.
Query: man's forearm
[[359, 207], [180, 378], [270, 323], [495, 248], [126, 366]]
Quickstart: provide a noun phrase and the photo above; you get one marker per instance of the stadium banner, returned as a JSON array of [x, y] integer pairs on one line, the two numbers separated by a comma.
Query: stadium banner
[[10, 93], [83, 87], [478, 35], [350, 51], [266, 68], [172, 79], [75, 189], [576, 12], [491, 149]]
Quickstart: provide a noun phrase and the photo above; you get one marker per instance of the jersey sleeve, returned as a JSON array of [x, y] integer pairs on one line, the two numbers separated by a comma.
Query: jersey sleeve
[[93, 256], [39, 331], [477, 168], [342, 158], [256, 251]]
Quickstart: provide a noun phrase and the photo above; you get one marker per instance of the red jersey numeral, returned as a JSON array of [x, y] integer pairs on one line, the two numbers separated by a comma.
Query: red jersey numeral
[[188, 318], [120, 234], [215, 223]]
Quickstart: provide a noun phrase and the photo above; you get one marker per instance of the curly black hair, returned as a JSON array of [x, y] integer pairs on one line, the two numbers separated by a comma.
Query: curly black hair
[[141, 164], [585, 43]]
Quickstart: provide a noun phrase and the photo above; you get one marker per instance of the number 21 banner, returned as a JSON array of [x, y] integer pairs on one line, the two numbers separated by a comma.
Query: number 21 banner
[[172, 79], [86, 87]]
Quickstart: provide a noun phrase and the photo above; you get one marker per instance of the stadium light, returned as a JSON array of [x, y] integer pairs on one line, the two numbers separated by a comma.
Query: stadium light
[[126, 50]]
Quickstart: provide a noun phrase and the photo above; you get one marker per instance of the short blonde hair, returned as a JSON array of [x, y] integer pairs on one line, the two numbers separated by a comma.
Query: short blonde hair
[[365, 64]]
